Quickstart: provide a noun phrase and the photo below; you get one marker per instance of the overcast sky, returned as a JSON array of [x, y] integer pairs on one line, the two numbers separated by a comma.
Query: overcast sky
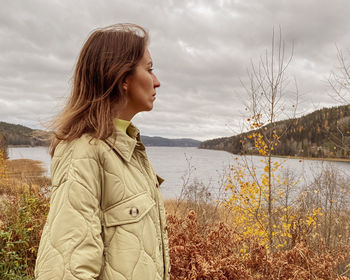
[[201, 52]]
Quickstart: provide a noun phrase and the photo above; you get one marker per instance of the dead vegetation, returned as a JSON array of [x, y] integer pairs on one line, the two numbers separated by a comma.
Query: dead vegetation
[[204, 242], [217, 251]]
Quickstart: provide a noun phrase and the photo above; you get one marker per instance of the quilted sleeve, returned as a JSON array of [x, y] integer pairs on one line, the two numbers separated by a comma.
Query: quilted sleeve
[[71, 246]]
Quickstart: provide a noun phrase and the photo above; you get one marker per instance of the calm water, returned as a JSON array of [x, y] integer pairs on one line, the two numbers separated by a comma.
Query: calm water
[[207, 166]]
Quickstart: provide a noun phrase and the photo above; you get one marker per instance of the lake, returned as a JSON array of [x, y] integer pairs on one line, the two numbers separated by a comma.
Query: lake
[[207, 166]]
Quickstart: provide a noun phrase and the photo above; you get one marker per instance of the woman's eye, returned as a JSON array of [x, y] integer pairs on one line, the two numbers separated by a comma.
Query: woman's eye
[[150, 70]]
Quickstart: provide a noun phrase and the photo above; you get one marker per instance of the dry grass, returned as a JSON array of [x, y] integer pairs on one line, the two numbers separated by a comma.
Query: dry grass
[[25, 167], [23, 174]]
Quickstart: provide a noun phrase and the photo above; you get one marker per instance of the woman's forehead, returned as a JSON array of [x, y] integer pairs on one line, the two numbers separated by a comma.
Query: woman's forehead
[[146, 59]]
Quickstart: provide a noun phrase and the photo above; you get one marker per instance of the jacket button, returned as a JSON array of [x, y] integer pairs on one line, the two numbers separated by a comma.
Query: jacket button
[[134, 211]]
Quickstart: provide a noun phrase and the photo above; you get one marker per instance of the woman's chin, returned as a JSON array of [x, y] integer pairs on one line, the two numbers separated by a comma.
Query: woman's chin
[[148, 108]]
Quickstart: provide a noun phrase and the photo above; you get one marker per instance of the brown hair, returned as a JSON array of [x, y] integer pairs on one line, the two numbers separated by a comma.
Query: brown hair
[[108, 56]]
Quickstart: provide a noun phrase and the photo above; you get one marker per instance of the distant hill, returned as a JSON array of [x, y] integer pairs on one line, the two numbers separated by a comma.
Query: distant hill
[[160, 141], [323, 133], [16, 134], [19, 135]]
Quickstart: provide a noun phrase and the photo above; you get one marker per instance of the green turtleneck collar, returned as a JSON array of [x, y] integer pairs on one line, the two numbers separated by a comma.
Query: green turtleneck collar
[[121, 125]]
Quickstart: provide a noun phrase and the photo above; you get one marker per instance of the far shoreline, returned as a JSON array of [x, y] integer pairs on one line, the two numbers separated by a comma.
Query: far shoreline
[[314, 158], [274, 156], [292, 157]]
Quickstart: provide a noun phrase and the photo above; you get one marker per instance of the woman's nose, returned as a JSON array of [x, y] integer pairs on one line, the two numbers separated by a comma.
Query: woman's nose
[[156, 82]]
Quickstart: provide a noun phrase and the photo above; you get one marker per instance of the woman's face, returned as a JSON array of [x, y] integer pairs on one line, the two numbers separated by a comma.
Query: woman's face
[[140, 87]]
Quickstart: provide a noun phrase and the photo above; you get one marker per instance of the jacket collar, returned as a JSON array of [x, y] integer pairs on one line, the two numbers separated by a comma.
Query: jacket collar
[[125, 144]]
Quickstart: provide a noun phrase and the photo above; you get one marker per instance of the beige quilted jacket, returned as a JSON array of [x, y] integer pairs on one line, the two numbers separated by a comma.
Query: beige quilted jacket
[[107, 219]]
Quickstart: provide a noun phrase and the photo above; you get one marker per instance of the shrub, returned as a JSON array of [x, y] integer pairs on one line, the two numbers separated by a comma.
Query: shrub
[[23, 210], [219, 252]]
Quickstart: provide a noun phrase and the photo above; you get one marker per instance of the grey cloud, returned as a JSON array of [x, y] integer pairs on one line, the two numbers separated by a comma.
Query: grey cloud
[[201, 51]]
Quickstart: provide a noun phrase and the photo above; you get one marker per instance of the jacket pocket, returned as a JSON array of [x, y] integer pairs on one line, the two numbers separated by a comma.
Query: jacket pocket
[[128, 211]]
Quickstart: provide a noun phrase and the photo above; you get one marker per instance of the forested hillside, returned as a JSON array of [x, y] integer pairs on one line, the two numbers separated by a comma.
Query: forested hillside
[[16, 134], [323, 133]]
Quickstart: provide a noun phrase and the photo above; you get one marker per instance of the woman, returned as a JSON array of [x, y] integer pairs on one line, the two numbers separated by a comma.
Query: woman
[[106, 219]]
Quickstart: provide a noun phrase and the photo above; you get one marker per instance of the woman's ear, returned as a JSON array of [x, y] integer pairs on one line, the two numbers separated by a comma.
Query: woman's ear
[[125, 86], [126, 82]]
